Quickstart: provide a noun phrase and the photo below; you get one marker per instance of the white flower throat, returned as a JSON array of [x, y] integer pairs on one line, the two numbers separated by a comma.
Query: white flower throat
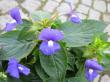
[[91, 71], [73, 15], [13, 21], [20, 68], [50, 43]]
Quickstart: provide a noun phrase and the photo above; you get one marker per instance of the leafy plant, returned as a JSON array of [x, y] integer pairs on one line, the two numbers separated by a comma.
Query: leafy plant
[[51, 50]]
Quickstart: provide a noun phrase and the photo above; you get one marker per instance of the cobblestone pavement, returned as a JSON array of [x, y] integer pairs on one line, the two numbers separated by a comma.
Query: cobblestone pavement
[[89, 9]]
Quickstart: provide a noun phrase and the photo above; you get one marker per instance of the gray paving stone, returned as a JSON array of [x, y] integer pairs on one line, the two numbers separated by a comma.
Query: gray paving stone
[[43, 0], [6, 5], [109, 7], [31, 5], [108, 0], [87, 2], [94, 14], [23, 15], [72, 1], [82, 9], [63, 18], [58, 0], [100, 5], [106, 17], [50, 6], [63, 8], [81, 16], [105, 78]]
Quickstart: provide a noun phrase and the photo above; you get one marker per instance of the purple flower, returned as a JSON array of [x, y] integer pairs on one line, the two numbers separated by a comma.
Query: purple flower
[[49, 45], [14, 68], [73, 17], [10, 26], [15, 14], [91, 68]]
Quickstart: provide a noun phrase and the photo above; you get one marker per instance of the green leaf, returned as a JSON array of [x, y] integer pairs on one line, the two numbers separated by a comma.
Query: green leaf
[[40, 15], [42, 74], [55, 65], [40, 71], [32, 77], [26, 24], [96, 49], [81, 73], [29, 78], [80, 76], [10, 79], [3, 77], [105, 61], [71, 61], [56, 23], [12, 47], [76, 35], [77, 79], [27, 34]]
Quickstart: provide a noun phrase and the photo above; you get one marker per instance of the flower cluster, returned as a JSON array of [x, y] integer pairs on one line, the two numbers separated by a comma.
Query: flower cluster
[[73, 17], [15, 14], [50, 45], [14, 68], [49, 37], [91, 68]]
